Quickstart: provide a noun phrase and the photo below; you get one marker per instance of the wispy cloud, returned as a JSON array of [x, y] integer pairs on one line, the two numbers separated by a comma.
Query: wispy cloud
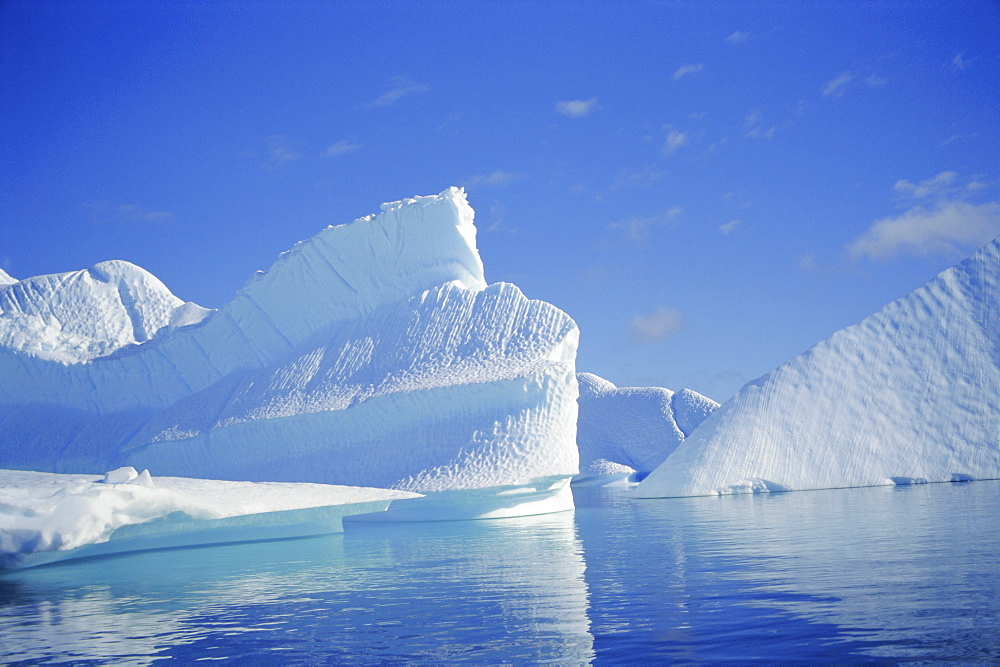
[[107, 212], [738, 37], [637, 229], [949, 229], [279, 151], [836, 86], [685, 70], [755, 128], [656, 326], [939, 221], [957, 137], [959, 62], [340, 148], [941, 185], [876, 80], [401, 86], [495, 179], [637, 178], [674, 141], [577, 108], [728, 227]]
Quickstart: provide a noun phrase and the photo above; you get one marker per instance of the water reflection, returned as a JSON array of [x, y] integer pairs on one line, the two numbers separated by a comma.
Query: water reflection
[[884, 574], [490, 591], [854, 574]]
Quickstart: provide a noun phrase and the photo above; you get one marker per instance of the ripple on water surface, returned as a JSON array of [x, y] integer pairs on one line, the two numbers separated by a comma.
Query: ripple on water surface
[[889, 573]]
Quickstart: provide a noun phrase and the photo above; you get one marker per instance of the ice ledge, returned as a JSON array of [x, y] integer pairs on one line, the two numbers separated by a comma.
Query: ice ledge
[[542, 495]]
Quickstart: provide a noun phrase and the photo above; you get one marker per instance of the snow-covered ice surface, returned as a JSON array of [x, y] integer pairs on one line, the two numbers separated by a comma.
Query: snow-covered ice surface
[[626, 430], [81, 315], [372, 354], [46, 517], [909, 395]]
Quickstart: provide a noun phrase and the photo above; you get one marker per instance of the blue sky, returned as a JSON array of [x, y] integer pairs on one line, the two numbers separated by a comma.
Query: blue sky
[[707, 188]]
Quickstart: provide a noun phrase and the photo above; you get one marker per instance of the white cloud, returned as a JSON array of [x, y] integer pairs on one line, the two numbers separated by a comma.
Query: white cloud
[[836, 86], [685, 70], [577, 108], [936, 186], [730, 226], [949, 228], [401, 87], [655, 327], [341, 147], [637, 229], [495, 179], [738, 37], [675, 139]]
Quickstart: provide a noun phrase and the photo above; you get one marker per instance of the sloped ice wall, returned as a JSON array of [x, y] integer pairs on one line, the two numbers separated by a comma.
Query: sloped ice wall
[[909, 395]]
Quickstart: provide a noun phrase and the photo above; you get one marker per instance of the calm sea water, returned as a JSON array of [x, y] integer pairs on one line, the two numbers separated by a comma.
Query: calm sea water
[[854, 575]]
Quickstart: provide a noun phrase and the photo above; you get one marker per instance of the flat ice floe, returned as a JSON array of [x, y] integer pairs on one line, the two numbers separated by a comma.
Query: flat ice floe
[[909, 395], [47, 517]]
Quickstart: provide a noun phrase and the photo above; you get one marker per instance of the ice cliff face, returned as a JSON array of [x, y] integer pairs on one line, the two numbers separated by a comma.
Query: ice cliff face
[[911, 394], [371, 354], [633, 429]]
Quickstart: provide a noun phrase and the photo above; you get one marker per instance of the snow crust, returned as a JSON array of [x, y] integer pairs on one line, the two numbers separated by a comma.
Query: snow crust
[[81, 315], [909, 395], [42, 513], [5, 278], [372, 354], [621, 431], [451, 389]]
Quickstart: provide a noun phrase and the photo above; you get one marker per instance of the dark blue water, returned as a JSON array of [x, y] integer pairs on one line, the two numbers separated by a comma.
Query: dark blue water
[[855, 575]]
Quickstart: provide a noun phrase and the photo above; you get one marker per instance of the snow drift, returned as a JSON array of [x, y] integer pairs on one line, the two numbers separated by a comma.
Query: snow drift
[[626, 430], [372, 354], [909, 395]]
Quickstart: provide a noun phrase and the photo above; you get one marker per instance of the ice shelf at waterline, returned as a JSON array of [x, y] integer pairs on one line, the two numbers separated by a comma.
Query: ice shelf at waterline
[[909, 395], [622, 431], [48, 517], [373, 354]]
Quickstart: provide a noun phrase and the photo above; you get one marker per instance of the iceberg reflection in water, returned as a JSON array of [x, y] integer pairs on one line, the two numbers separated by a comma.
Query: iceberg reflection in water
[[489, 591], [843, 575]]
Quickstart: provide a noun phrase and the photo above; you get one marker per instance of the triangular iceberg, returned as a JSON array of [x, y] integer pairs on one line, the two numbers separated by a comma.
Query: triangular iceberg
[[911, 394]]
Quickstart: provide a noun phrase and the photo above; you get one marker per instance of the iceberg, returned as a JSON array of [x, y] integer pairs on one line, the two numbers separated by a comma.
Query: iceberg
[[373, 354], [909, 395], [48, 517], [81, 315], [625, 432]]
